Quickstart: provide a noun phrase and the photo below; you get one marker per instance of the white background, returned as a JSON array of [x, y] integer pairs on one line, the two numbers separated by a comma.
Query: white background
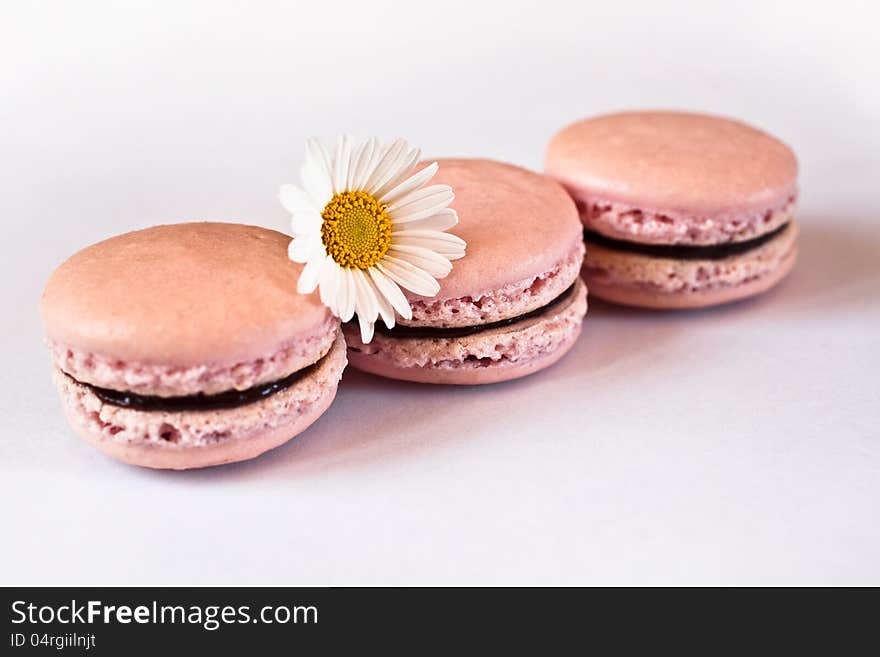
[[731, 446]]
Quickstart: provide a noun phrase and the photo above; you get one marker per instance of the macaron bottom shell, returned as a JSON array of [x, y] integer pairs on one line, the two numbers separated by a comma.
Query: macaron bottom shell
[[638, 280], [196, 439], [490, 356]]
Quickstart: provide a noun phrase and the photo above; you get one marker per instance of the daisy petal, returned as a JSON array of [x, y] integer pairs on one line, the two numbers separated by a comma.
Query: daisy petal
[[446, 251], [419, 199], [409, 276], [317, 155], [405, 167], [367, 329], [388, 165], [329, 282], [410, 184], [391, 292], [348, 295], [306, 223], [450, 246], [384, 307], [439, 235], [303, 249], [294, 199], [315, 174], [421, 203], [362, 167], [365, 303], [353, 159], [444, 220], [341, 161], [433, 263], [370, 166], [339, 299], [308, 279]]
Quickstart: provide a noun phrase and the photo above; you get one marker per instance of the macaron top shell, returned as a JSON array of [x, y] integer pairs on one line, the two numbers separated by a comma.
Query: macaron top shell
[[182, 295], [675, 161], [517, 224]]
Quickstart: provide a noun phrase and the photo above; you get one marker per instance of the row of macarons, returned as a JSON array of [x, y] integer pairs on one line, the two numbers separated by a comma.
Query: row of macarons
[[189, 345]]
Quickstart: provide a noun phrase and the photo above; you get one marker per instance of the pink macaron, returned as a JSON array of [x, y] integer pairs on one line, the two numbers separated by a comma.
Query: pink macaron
[[187, 345], [680, 210], [512, 306]]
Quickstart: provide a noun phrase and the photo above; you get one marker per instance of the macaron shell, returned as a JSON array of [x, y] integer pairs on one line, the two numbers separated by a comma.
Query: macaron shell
[[497, 374], [675, 162], [517, 224], [165, 380], [491, 356], [197, 439], [182, 295], [667, 283], [511, 300]]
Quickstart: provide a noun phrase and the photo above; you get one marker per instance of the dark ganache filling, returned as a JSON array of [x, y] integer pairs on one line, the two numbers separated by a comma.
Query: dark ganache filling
[[401, 331], [683, 252], [199, 402]]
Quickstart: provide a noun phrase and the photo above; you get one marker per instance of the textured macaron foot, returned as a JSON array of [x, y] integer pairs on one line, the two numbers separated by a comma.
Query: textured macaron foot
[[181, 440], [512, 306], [512, 299], [187, 345], [670, 283], [630, 223], [680, 210], [486, 356]]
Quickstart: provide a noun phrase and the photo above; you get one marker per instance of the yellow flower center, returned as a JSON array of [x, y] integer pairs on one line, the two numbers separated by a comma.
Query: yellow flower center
[[356, 231]]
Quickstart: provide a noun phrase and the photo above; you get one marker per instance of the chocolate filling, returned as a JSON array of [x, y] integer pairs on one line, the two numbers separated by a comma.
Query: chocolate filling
[[401, 331], [197, 402], [681, 251]]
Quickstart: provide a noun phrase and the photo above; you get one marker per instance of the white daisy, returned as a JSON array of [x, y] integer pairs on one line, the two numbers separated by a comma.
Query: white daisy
[[366, 226]]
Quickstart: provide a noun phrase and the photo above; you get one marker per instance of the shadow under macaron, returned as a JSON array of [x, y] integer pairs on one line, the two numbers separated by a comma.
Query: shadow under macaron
[[838, 266], [376, 420], [371, 420]]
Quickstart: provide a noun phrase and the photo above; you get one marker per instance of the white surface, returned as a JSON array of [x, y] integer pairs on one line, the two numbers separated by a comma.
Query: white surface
[[738, 445]]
